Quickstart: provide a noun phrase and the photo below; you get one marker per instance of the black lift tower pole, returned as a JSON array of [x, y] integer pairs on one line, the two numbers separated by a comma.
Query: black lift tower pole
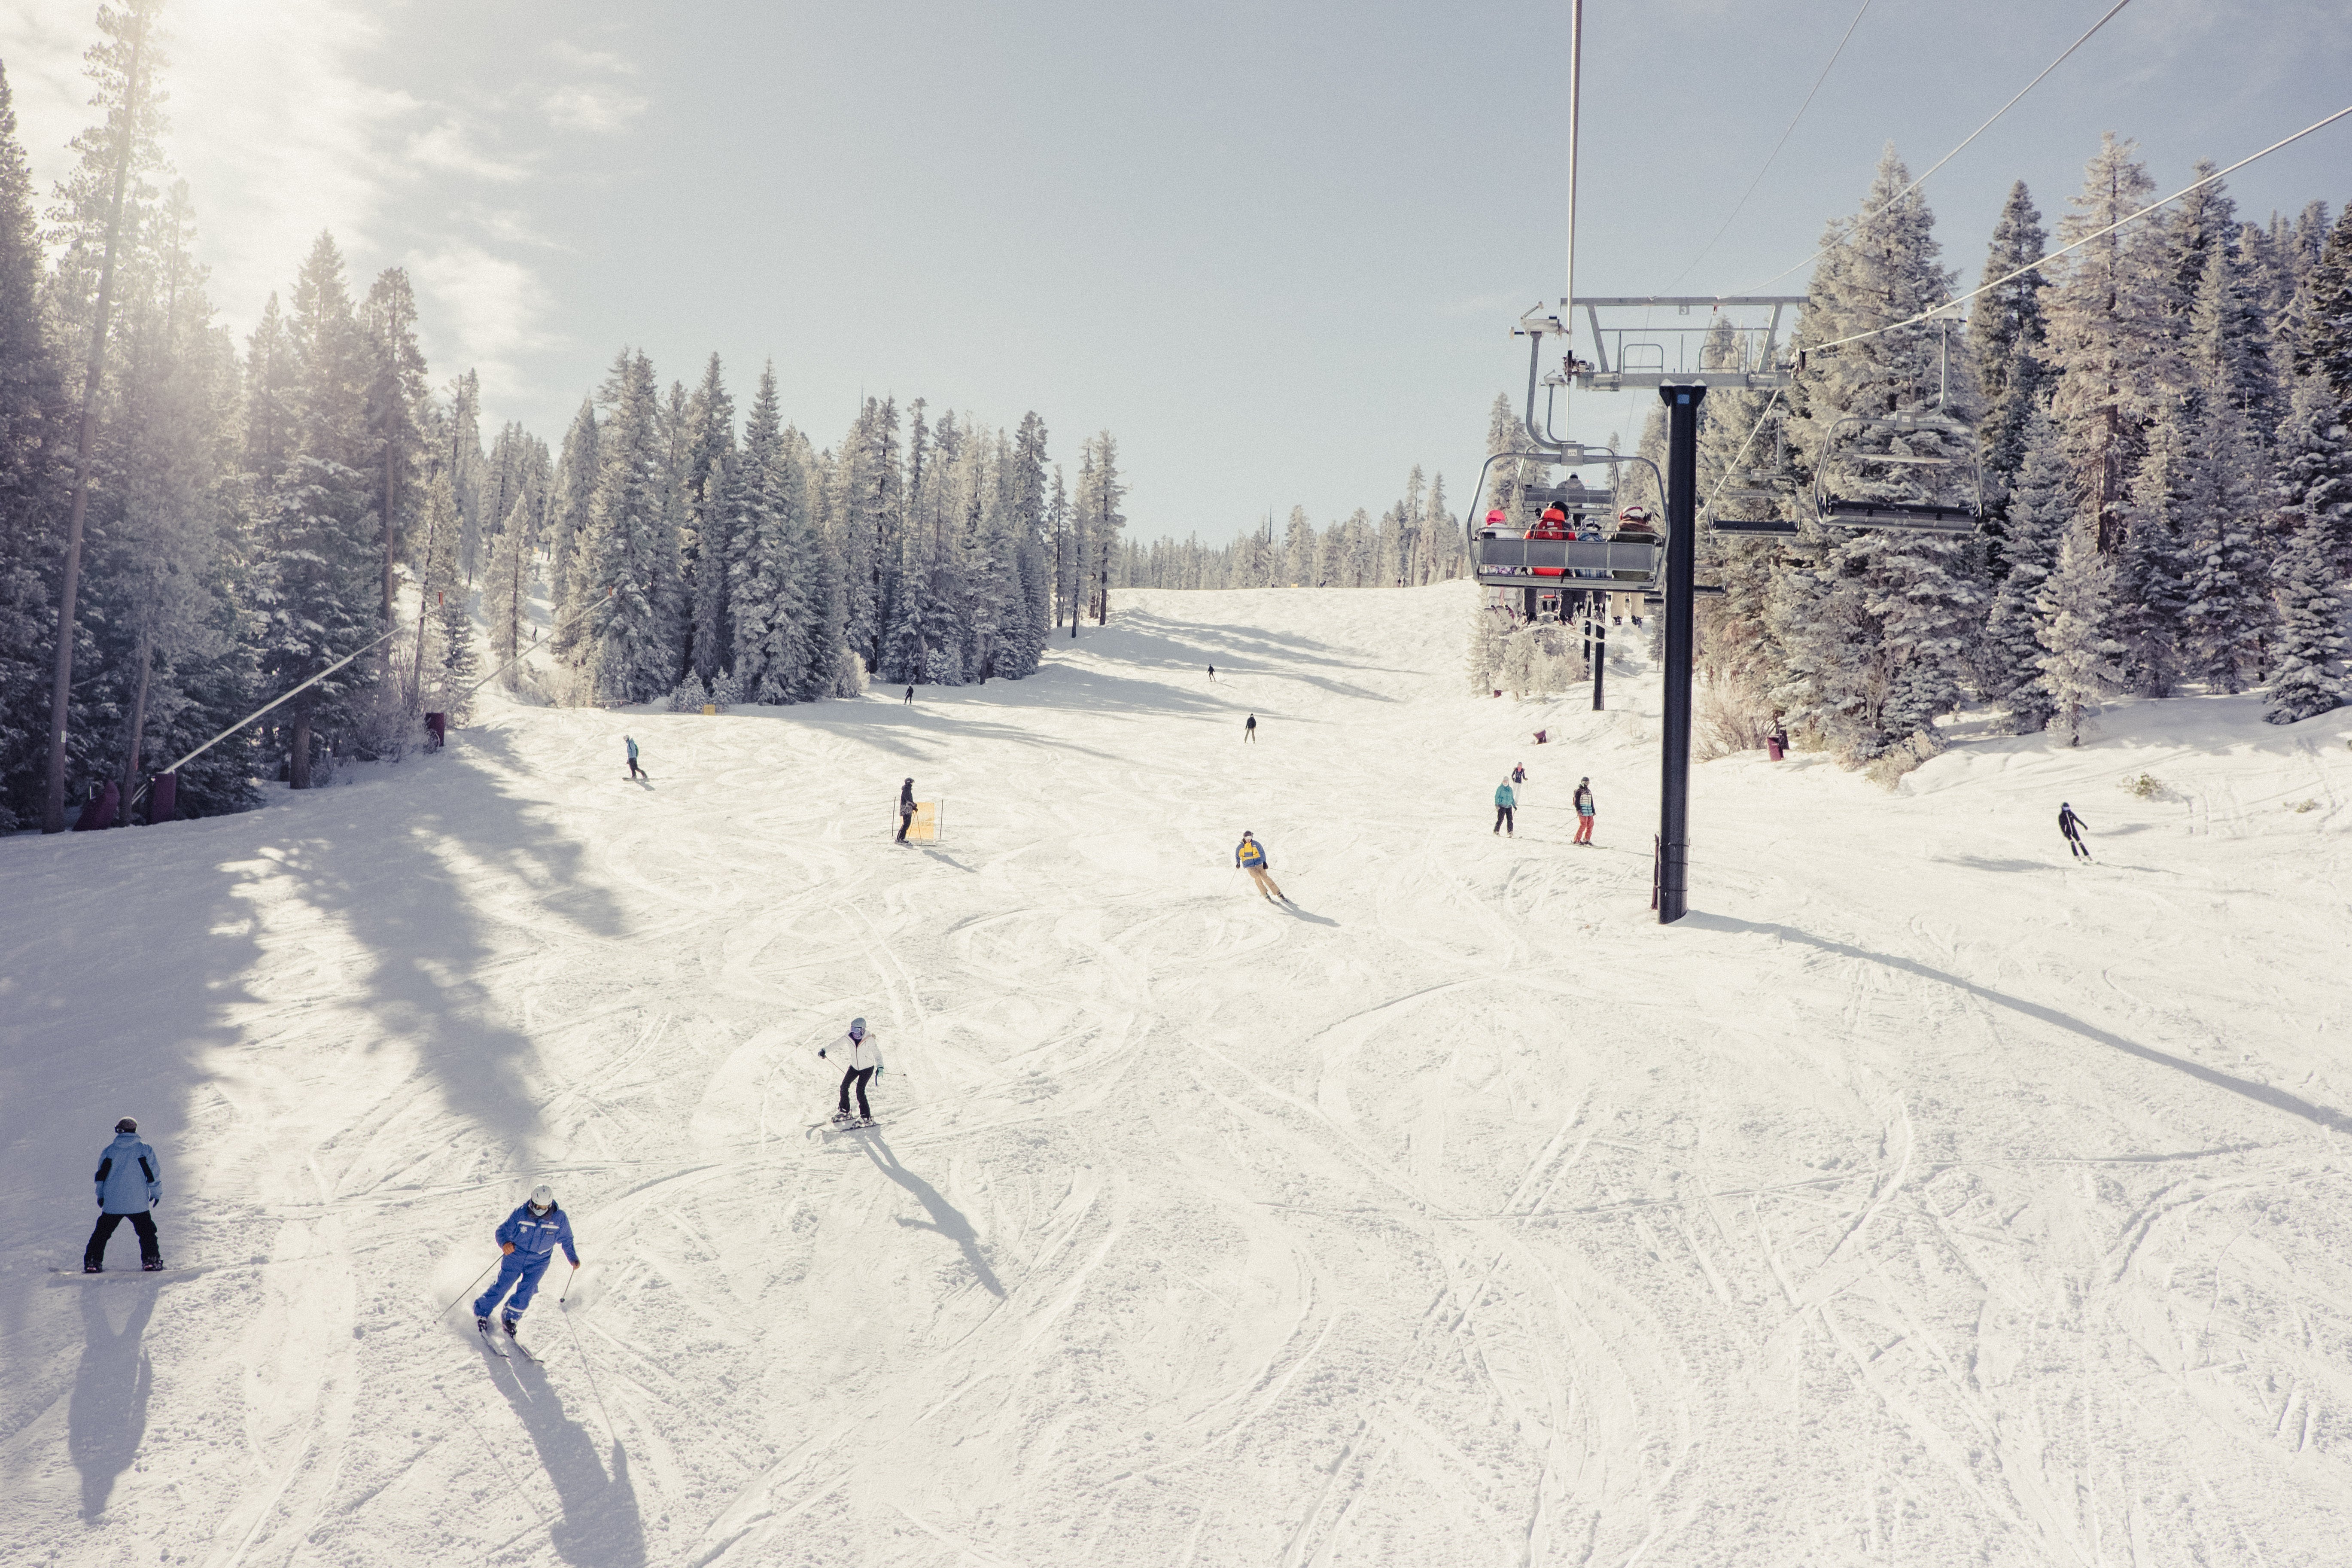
[[1682, 540]]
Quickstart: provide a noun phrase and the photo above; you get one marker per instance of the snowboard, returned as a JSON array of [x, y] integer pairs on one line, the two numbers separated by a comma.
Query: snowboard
[[169, 1268]]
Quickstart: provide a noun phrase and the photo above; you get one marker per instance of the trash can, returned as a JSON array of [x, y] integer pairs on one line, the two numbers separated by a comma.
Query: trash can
[[437, 725], [163, 798], [1772, 747]]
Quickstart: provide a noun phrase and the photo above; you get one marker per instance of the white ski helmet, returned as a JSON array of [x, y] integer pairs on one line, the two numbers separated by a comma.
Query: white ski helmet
[[857, 1028], [543, 1197]]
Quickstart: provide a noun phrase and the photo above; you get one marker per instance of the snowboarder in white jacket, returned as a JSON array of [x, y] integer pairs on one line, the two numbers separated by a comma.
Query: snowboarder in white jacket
[[130, 1184], [861, 1059]]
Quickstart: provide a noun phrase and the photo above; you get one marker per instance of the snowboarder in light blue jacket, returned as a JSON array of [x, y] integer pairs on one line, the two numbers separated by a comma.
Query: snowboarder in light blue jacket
[[1506, 803], [130, 1183], [529, 1238]]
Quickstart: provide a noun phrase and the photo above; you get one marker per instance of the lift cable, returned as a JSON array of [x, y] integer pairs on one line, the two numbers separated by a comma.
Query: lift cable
[[1955, 152], [2011, 276], [1758, 180]]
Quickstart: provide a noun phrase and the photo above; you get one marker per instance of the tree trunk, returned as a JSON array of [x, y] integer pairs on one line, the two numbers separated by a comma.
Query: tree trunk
[[53, 812], [138, 722]]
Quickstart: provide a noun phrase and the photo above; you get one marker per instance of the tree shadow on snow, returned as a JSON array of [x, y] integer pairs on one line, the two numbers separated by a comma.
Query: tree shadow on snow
[[119, 956], [946, 1218], [370, 859], [107, 1417], [2260, 1093], [601, 1527]]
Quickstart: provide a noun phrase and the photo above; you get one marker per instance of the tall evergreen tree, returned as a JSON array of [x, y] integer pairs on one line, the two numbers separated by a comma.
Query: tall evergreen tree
[[2078, 658], [2006, 334], [2109, 343], [2041, 507], [31, 405], [2311, 678], [570, 489], [708, 536], [627, 641], [396, 395]]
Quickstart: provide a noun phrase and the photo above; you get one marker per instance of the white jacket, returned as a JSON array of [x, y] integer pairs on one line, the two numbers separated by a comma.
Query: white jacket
[[852, 1053]]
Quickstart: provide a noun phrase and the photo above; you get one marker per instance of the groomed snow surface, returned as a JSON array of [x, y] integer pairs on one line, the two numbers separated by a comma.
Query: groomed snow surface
[[1922, 1198]]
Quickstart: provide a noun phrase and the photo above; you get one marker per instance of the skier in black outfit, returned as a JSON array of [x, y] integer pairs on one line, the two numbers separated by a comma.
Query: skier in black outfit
[[1212, 672], [2071, 827], [130, 1183], [1249, 730], [910, 694], [906, 810]]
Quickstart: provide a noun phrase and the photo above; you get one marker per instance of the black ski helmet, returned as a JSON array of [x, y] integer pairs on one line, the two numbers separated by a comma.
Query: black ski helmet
[[128, 1124]]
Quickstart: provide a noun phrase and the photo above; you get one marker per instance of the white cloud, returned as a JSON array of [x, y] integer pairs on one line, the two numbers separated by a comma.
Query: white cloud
[[585, 106], [449, 148], [489, 305]]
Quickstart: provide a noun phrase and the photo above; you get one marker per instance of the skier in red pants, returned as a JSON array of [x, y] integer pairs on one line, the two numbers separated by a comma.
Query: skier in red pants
[[1584, 812]]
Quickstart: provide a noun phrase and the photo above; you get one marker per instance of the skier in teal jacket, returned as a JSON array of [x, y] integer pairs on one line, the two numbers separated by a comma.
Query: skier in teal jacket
[[1506, 802]]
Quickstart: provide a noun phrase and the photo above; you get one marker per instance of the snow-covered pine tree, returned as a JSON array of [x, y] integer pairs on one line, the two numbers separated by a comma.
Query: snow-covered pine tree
[[574, 483], [2078, 658], [1299, 552], [1506, 481], [2149, 534], [629, 640], [2006, 333], [707, 542], [688, 694], [453, 612], [2225, 610], [506, 586], [2313, 484], [2225, 346], [1887, 620], [2310, 679], [319, 594], [396, 395], [466, 463], [2041, 508], [1488, 630], [2108, 341]]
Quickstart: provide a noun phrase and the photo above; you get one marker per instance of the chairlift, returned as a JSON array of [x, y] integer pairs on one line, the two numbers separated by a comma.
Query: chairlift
[[1587, 545], [1832, 510]]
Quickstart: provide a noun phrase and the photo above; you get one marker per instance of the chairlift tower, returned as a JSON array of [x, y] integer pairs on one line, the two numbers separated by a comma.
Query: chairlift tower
[[1730, 350]]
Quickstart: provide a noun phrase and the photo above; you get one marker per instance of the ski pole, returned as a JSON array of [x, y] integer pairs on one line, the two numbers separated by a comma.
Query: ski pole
[[477, 1280]]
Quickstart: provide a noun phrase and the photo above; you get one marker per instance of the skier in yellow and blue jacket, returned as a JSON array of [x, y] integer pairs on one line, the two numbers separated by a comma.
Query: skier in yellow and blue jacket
[[1251, 857]]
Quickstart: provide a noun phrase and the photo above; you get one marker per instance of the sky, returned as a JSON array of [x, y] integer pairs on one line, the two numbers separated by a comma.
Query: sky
[[1276, 248]]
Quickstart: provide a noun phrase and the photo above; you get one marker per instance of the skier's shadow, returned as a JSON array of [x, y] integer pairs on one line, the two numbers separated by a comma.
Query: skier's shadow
[[107, 1417], [601, 1527], [946, 1218]]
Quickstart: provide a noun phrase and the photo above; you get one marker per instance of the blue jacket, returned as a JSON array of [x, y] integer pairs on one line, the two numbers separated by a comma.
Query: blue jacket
[[1503, 795], [128, 1180], [632, 745], [537, 1235]]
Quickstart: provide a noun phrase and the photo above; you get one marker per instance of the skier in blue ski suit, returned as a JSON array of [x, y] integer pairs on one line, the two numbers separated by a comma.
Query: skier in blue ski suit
[[529, 1238], [130, 1183]]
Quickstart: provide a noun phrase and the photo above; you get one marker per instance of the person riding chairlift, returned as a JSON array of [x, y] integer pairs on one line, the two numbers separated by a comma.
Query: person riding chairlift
[[1633, 522], [1553, 525], [1499, 526]]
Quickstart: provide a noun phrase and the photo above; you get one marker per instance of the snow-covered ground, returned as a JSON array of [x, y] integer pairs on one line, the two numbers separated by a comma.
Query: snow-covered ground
[[1921, 1199]]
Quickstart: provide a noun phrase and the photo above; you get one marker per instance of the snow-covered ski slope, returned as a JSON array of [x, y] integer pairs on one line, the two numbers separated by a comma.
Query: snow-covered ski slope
[[1921, 1199]]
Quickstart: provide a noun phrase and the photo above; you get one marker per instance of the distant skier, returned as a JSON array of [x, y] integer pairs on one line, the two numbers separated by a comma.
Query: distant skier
[[1251, 857], [910, 694], [1249, 730], [130, 1184], [1540, 737], [2071, 827], [1519, 772], [1212, 672], [906, 810], [528, 1238], [635, 771], [1506, 802], [1584, 813], [862, 1059]]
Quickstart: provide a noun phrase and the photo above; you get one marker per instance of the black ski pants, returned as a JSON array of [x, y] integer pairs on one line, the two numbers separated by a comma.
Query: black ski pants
[[855, 1077], [906, 820], [150, 1250], [2077, 846], [1503, 819]]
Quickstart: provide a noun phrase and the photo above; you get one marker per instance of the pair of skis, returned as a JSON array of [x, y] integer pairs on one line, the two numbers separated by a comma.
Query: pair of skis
[[492, 1336]]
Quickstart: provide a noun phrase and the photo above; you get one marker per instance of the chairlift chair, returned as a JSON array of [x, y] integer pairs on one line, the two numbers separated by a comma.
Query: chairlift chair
[[1832, 510]]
